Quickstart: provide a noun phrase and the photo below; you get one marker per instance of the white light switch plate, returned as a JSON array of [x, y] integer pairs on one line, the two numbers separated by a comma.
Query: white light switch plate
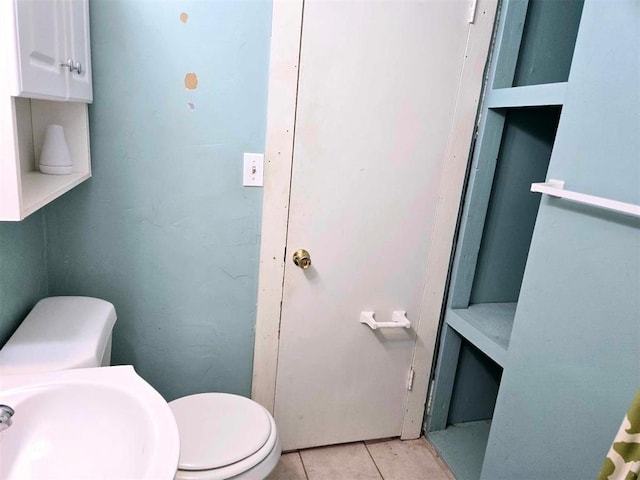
[[253, 170]]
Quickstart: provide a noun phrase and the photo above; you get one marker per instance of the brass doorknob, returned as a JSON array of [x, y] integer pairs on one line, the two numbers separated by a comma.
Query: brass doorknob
[[302, 259]]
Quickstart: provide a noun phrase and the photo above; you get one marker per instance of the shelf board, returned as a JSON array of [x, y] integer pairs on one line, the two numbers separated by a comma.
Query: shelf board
[[485, 325], [462, 447], [39, 189], [529, 96]]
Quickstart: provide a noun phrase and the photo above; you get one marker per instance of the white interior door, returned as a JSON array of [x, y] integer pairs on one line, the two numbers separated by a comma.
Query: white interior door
[[377, 88]]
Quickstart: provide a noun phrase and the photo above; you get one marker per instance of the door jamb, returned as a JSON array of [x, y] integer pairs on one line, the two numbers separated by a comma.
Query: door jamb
[[457, 157], [286, 31], [281, 112]]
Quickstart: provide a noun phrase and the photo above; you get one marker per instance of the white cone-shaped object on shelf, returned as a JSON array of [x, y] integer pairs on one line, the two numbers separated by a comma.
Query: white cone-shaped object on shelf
[[55, 158]]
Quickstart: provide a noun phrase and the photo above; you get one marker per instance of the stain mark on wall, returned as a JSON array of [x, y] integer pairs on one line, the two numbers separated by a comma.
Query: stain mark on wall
[[191, 106], [184, 17], [191, 81]]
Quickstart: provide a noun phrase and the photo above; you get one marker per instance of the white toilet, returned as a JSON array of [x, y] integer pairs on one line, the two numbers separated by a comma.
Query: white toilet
[[61, 333], [222, 436], [249, 449]]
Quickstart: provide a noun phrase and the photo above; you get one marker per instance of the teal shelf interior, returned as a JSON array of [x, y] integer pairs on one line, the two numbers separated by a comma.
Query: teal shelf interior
[[485, 325], [462, 447], [548, 41]]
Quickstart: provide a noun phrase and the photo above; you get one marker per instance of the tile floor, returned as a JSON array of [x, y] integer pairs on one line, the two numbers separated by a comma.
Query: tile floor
[[387, 460]]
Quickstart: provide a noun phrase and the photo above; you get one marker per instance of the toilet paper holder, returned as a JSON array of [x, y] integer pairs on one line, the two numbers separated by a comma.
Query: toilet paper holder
[[398, 320]]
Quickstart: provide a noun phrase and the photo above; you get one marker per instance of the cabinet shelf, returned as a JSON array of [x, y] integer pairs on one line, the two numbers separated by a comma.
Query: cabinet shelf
[[39, 189], [485, 325], [528, 96]]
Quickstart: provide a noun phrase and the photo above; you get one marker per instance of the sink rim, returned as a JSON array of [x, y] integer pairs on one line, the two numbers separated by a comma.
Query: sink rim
[[164, 461]]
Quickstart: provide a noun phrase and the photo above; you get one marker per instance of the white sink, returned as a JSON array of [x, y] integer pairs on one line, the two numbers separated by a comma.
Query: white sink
[[91, 423]]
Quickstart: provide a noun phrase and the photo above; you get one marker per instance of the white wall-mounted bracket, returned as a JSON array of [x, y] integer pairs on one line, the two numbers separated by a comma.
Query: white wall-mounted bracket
[[398, 320]]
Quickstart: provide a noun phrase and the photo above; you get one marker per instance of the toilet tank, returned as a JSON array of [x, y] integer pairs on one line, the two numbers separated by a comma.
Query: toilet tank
[[61, 333]]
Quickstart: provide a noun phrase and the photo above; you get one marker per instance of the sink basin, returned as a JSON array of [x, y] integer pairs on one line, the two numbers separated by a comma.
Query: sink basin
[[91, 423]]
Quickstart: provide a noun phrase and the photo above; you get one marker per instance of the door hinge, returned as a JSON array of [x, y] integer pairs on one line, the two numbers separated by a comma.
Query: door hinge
[[430, 397], [412, 374]]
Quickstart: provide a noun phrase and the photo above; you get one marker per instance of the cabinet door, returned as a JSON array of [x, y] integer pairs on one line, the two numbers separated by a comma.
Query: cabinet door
[[78, 48], [40, 40]]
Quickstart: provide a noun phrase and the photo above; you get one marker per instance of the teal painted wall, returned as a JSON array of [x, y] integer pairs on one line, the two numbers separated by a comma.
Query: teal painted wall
[[23, 271], [164, 229]]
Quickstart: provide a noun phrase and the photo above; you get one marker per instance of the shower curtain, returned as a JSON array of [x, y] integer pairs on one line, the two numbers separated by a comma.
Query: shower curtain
[[623, 459]]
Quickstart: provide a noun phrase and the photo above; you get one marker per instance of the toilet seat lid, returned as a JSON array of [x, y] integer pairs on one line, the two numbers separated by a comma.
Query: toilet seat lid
[[218, 429]]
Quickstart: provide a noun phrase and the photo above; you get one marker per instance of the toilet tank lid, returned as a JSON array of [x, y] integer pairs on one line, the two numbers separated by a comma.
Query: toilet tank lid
[[58, 334]]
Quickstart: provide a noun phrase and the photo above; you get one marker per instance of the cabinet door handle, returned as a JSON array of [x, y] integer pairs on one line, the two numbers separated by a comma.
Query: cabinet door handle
[[72, 68], [68, 64]]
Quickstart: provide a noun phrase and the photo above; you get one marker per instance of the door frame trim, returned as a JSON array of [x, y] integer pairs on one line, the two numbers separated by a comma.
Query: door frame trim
[[281, 113], [286, 32]]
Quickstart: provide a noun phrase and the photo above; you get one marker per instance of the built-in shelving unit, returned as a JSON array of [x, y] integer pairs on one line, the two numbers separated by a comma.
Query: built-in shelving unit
[[519, 118]]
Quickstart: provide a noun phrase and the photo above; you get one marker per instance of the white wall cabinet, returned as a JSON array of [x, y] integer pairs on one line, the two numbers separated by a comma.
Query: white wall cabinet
[[36, 37], [51, 42]]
